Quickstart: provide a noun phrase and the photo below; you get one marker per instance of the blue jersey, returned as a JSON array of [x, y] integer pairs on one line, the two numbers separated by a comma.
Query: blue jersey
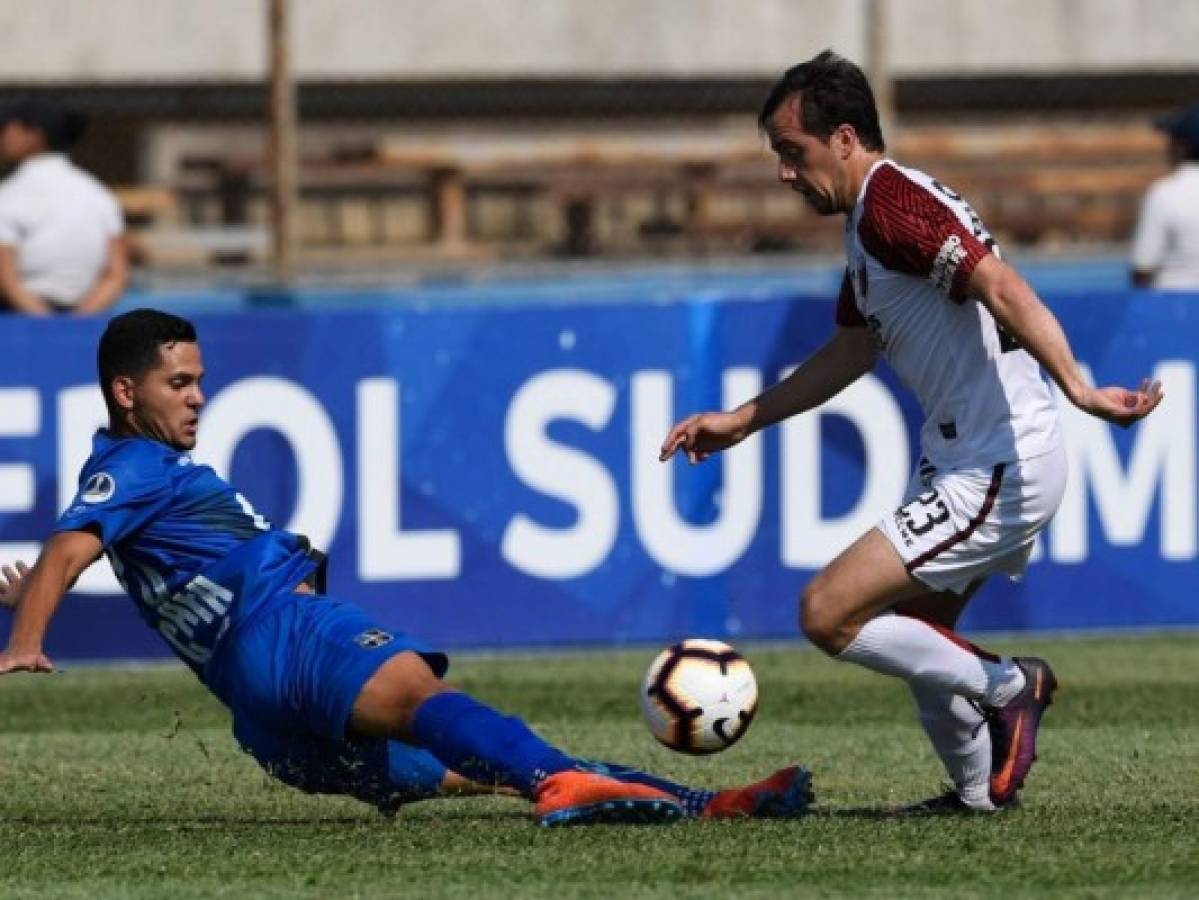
[[188, 549]]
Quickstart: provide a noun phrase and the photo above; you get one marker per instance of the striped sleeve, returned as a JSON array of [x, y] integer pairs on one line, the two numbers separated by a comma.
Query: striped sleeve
[[909, 230]]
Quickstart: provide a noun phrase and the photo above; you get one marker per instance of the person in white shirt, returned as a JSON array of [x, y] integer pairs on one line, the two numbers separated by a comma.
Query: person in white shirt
[[62, 245], [925, 289], [1165, 246]]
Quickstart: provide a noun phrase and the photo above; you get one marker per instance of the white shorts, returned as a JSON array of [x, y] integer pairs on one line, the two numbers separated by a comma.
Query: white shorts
[[958, 527]]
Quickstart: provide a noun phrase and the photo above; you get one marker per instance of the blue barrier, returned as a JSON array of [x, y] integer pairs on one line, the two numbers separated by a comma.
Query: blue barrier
[[487, 475]]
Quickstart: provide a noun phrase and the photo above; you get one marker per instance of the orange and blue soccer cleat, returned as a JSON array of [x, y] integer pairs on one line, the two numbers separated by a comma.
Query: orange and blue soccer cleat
[[787, 794], [585, 798], [1014, 729]]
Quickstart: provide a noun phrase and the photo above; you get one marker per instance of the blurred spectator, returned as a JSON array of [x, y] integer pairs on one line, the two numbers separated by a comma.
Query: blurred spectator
[[62, 245], [1165, 252]]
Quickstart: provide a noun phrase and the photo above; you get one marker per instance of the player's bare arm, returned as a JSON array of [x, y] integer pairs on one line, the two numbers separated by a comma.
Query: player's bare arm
[[61, 562], [845, 358], [1017, 308]]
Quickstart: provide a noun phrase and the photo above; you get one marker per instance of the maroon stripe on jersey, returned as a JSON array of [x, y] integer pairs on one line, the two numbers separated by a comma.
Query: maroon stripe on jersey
[[952, 635], [848, 313], [971, 526], [908, 229]]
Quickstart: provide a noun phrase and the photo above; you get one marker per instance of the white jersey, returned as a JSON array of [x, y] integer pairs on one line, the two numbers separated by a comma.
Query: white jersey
[[911, 245], [1166, 242], [60, 220]]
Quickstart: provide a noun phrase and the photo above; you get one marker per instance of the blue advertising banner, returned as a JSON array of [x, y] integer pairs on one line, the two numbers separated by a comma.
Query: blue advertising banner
[[487, 476]]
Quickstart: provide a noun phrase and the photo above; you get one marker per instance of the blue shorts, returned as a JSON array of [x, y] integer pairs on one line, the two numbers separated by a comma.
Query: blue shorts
[[299, 668]]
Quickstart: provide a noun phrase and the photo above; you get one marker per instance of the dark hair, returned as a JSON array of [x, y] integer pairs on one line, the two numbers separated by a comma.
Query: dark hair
[[1183, 128], [129, 345], [61, 126], [834, 92], [69, 132]]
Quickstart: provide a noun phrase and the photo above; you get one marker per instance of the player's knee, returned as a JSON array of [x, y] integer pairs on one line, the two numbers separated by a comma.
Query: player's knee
[[819, 618], [412, 696], [389, 701]]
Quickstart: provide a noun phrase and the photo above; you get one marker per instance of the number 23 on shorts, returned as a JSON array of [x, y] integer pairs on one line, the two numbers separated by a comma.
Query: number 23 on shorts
[[924, 513]]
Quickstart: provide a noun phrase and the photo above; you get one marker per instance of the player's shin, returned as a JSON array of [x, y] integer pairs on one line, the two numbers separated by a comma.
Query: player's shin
[[957, 730], [925, 654], [475, 740]]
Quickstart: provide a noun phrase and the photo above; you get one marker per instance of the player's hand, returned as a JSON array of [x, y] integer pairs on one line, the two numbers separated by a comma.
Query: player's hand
[[10, 583], [1121, 406], [19, 661], [703, 434]]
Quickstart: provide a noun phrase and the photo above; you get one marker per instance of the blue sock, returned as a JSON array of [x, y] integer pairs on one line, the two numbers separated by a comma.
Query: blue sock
[[381, 773], [476, 741], [693, 799], [413, 773]]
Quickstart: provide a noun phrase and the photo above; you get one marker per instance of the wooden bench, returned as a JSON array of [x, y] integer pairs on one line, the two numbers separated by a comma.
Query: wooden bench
[[694, 192], [1032, 183]]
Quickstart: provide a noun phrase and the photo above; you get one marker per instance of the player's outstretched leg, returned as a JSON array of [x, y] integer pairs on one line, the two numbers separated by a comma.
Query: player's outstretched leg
[[405, 700], [486, 746], [1013, 728]]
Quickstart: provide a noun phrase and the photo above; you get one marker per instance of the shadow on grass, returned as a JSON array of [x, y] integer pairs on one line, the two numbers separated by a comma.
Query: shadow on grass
[[889, 814], [260, 822]]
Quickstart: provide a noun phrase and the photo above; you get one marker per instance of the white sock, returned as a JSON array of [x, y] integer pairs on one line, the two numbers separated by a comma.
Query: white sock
[[922, 655], [959, 734]]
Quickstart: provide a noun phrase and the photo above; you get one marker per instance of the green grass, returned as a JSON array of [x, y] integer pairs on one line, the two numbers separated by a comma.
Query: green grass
[[126, 783]]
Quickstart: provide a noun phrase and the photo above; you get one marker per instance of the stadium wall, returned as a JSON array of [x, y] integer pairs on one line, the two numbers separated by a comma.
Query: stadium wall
[[225, 40], [486, 475]]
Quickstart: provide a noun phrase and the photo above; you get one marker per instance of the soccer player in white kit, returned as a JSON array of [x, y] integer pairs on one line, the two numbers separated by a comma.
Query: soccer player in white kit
[[925, 289]]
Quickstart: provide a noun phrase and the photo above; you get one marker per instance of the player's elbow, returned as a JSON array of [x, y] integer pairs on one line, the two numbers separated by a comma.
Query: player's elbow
[[68, 553], [1007, 295]]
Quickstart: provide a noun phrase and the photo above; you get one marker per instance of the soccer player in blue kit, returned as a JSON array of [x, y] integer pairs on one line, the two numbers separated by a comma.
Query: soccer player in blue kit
[[322, 696]]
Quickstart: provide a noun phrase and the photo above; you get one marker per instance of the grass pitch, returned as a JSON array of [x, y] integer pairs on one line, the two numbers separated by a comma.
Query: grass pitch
[[120, 783]]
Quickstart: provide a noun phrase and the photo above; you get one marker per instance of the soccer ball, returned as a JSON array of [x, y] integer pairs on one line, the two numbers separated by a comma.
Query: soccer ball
[[699, 696]]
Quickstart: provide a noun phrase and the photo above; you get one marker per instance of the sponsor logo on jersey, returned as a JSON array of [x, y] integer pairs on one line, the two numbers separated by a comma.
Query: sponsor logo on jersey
[[945, 266], [373, 638], [98, 488]]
